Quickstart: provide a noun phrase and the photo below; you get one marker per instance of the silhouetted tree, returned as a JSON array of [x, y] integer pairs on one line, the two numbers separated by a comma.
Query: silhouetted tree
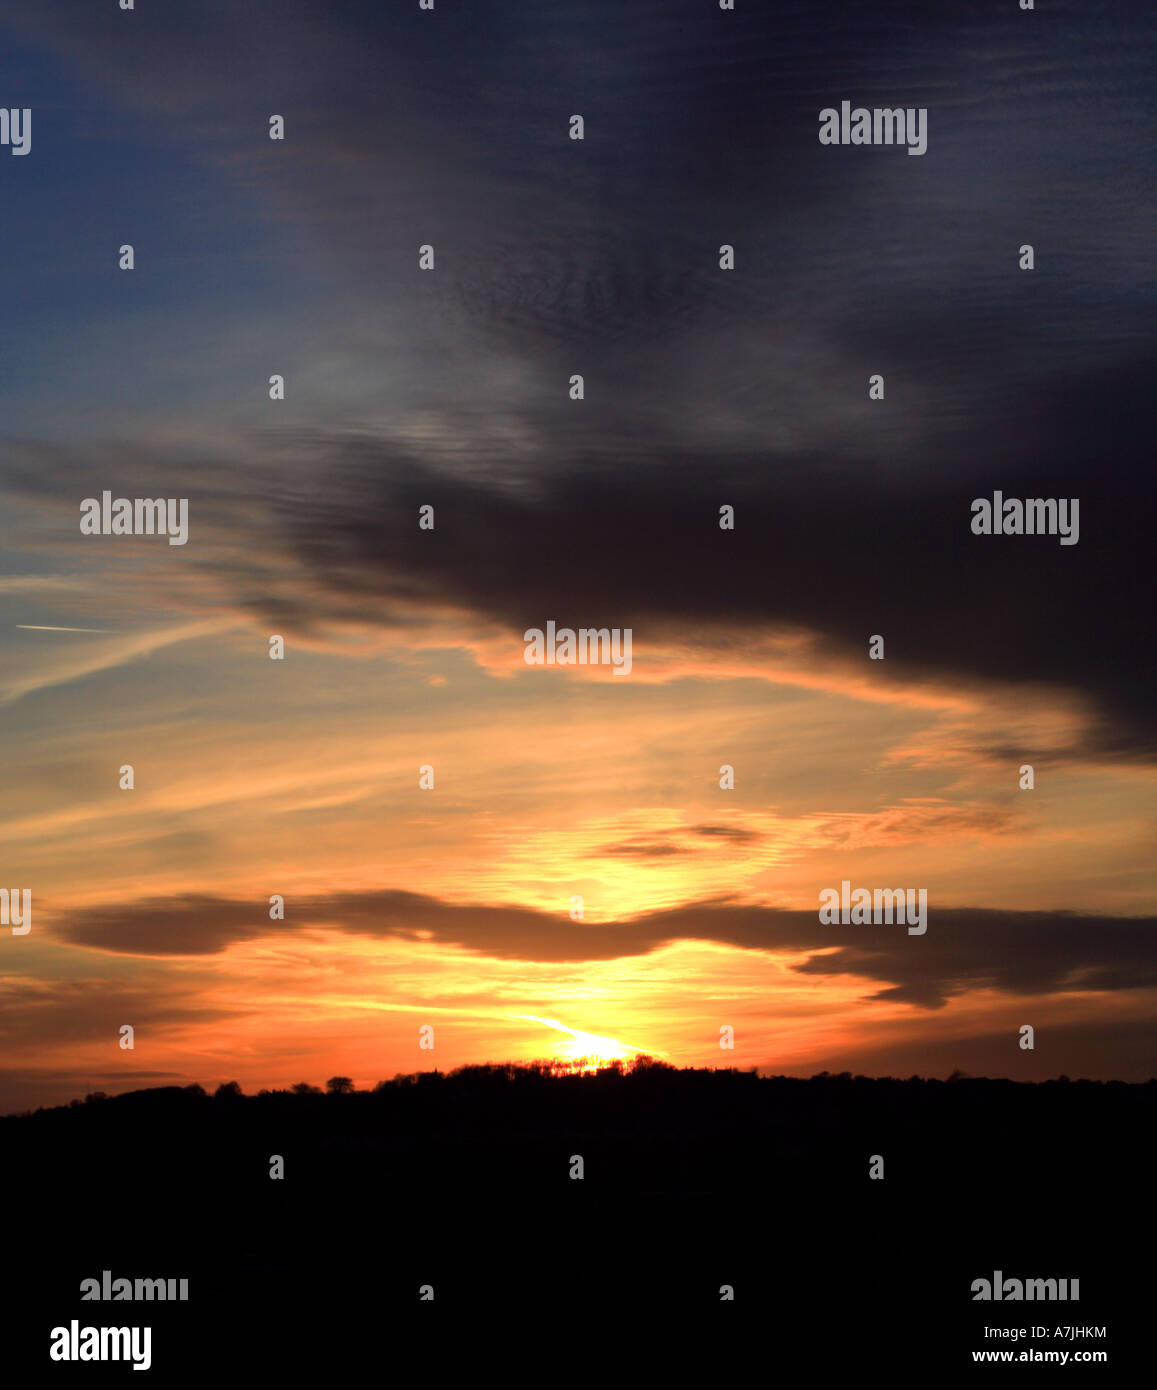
[[228, 1090], [644, 1062], [303, 1088], [339, 1085]]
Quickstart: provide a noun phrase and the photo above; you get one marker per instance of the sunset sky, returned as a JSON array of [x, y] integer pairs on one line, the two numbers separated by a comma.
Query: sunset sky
[[450, 907]]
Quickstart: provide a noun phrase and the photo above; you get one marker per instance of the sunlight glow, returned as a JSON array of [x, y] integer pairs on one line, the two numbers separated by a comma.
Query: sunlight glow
[[588, 1052]]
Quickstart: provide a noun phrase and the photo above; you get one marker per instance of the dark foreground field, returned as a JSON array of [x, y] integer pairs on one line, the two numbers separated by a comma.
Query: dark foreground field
[[692, 1181]]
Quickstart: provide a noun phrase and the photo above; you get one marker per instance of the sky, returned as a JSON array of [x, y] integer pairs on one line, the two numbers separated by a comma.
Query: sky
[[451, 907]]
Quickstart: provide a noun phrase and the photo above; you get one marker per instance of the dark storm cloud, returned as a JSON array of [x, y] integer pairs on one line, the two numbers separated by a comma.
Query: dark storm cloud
[[963, 948], [840, 552], [705, 387], [451, 127]]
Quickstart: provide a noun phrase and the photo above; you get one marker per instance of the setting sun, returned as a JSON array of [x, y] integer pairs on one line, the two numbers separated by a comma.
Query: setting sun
[[587, 1052]]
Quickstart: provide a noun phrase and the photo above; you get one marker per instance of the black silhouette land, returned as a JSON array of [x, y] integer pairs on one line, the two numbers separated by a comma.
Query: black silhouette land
[[693, 1181]]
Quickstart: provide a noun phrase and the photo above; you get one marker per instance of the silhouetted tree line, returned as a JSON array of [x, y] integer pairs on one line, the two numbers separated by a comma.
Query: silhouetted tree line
[[725, 1175], [646, 1072]]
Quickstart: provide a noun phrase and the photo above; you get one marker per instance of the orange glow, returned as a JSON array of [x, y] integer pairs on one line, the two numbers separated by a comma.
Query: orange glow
[[587, 1052]]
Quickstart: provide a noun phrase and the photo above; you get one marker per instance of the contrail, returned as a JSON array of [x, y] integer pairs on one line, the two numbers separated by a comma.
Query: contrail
[[578, 1033], [37, 627]]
